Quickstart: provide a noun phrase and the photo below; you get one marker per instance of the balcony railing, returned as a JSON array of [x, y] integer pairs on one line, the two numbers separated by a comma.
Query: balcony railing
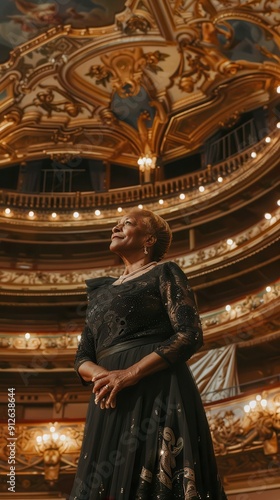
[[134, 194]]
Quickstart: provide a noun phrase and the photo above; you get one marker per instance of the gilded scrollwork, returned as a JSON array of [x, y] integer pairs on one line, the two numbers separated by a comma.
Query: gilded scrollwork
[[13, 117], [243, 308], [101, 74], [66, 136], [223, 248], [134, 24], [235, 430], [185, 10], [39, 342], [209, 256], [127, 70], [44, 449], [124, 70], [52, 99], [212, 48], [130, 23], [202, 65], [108, 118]]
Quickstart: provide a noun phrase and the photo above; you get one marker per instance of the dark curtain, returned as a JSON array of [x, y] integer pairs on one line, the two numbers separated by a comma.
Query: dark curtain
[[29, 177], [97, 172]]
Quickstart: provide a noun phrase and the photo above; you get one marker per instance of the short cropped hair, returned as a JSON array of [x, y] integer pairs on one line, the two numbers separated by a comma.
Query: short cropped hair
[[157, 227]]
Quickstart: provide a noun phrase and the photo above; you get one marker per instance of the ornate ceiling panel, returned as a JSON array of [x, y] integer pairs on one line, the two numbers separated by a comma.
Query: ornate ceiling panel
[[111, 80]]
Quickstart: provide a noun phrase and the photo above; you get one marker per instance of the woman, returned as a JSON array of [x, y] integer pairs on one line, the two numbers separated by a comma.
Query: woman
[[146, 434]]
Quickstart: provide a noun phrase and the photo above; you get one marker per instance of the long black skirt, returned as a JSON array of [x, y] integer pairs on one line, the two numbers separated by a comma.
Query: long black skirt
[[155, 444]]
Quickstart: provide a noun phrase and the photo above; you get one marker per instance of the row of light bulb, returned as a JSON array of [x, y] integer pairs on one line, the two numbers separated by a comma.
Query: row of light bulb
[[54, 436], [182, 196], [267, 140], [228, 306], [76, 215], [98, 213]]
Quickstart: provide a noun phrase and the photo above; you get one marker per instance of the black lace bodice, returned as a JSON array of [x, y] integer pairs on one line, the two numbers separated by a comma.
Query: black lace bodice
[[158, 303]]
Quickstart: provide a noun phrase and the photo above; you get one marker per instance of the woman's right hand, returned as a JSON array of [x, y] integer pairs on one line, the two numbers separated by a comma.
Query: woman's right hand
[[107, 385]]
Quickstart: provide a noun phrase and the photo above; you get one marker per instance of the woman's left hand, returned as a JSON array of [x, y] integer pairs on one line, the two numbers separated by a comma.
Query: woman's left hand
[[107, 385]]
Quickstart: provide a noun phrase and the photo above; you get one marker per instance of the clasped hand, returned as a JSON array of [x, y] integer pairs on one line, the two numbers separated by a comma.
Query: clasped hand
[[108, 384]]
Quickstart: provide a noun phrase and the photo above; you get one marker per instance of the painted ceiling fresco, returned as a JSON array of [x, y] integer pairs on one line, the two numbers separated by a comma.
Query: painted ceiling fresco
[[119, 79], [22, 20]]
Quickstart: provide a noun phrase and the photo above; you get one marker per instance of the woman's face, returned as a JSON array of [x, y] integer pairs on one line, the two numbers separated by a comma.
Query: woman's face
[[129, 236]]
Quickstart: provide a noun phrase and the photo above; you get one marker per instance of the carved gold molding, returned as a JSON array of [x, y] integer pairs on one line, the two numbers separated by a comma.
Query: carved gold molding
[[244, 424], [195, 263], [187, 33], [48, 449], [237, 317]]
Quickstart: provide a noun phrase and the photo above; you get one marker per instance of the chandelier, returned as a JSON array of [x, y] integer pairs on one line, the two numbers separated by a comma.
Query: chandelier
[[147, 163]]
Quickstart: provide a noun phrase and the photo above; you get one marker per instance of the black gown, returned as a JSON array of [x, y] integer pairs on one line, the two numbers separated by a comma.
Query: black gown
[[156, 443]]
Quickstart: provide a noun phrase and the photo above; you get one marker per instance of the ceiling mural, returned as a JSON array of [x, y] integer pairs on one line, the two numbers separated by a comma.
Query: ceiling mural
[[22, 20], [122, 79]]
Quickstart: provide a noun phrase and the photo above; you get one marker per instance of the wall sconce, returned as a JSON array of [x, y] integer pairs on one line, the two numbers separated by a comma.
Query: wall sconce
[[259, 424], [257, 404], [51, 445]]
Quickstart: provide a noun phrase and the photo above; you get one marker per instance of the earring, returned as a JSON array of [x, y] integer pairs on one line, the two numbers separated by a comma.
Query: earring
[[145, 250]]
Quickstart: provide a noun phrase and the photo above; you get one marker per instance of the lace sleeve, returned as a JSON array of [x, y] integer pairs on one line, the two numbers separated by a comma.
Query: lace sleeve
[[178, 298], [85, 351]]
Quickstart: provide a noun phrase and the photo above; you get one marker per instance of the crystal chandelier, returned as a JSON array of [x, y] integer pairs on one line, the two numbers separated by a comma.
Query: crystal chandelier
[[146, 163]]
